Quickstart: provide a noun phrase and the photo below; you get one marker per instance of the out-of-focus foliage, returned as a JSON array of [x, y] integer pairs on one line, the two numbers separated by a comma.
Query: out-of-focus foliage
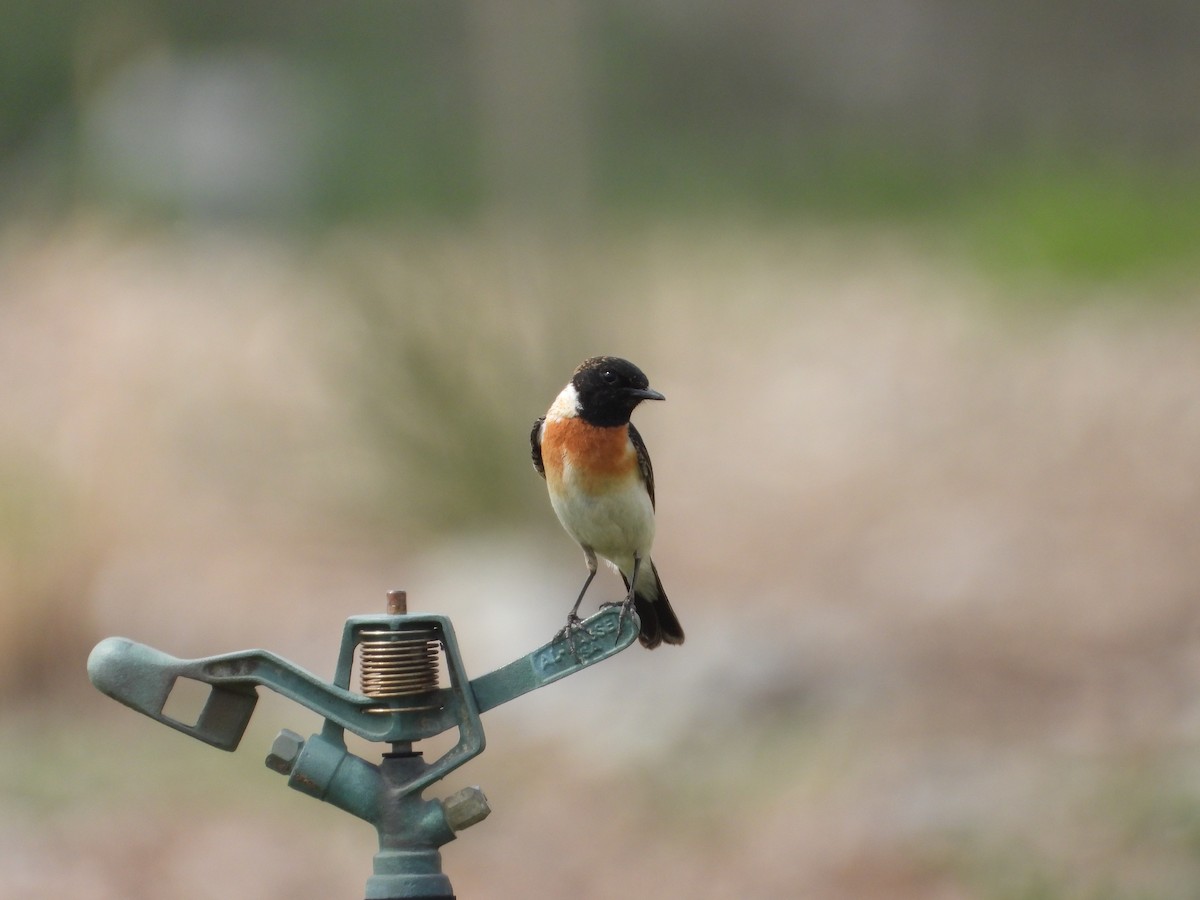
[[442, 349], [941, 621], [283, 286], [1072, 123]]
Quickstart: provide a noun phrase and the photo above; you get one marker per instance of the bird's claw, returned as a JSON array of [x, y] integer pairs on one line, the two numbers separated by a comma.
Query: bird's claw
[[567, 633], [625, 606]]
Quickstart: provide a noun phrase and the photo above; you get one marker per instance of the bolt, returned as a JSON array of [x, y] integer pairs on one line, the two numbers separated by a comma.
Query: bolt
[[466, 808], [284, 752], [397, 603]]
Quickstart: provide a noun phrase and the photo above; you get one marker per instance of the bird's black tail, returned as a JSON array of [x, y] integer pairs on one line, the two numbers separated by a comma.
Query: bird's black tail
[[659, 624]]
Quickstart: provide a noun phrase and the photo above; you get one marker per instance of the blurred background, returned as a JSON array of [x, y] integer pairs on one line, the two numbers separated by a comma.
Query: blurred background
[[282, 287]]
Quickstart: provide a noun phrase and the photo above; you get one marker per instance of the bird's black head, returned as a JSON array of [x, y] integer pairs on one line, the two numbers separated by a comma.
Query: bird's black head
[[609, 388]]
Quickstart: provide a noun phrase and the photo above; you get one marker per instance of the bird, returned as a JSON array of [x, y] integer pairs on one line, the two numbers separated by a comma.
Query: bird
[[601, 486]]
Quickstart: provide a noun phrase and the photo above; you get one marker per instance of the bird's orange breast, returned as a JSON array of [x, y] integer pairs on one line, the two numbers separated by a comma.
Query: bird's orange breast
[[590, 457]]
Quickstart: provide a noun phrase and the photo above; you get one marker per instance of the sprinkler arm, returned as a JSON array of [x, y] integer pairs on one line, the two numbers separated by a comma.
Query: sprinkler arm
[[142, 678]]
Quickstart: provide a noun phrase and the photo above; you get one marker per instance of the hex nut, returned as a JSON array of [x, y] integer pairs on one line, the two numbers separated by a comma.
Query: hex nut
[[466, 808], [284, 752]]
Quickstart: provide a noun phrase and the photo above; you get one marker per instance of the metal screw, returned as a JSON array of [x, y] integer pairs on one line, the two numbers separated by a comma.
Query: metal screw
[[397, 603], [284, 752], [466, 808]]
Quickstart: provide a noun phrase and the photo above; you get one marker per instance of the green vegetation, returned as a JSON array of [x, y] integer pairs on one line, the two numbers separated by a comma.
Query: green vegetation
[[407, 112], [1097, 222]]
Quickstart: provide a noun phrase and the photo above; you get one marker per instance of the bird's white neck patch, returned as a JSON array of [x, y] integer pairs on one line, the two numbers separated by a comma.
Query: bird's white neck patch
[[566, 404]]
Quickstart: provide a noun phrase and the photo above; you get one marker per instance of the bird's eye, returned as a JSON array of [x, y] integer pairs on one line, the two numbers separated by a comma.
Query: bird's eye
[[609, 376]]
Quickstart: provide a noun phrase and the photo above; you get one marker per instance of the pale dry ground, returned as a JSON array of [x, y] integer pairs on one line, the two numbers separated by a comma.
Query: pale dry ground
[[935, 548]]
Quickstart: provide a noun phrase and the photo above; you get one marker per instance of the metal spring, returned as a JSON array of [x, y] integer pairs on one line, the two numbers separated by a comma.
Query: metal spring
[[398, 664]]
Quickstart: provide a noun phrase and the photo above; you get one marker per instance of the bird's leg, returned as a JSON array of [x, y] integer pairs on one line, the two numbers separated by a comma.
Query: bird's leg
[[573, 616], [627, 604], [574, 623], [573, 619]]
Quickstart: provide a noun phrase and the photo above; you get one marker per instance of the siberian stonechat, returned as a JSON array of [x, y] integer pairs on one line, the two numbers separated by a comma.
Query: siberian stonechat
[[601, 485]]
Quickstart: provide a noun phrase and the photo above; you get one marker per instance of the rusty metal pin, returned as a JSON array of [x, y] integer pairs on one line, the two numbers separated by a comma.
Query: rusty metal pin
[[397, 603]]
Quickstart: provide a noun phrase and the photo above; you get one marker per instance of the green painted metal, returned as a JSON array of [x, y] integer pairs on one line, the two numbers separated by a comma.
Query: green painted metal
[[388, 794]]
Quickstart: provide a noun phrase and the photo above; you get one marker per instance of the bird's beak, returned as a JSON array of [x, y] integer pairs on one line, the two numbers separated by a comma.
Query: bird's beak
[[644, 394]]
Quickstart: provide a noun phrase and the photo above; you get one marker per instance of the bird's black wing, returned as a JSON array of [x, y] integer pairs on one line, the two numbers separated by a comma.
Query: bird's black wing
[[643, 458], [535, 446]]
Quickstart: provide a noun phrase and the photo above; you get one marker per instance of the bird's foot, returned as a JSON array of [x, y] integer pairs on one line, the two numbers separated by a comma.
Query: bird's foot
[[626, 606], [567, 633]]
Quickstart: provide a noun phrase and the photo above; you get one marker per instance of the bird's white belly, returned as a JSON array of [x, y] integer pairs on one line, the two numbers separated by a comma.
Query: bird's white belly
[[616, 524]]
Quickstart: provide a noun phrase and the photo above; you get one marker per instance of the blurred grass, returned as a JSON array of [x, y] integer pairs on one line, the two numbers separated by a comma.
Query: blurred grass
[[1100, 223], [1047, 215], [49, 548], [445, 352], [445, 346], [1132, 833], [448, 333], [49, 764], [399, 136]]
